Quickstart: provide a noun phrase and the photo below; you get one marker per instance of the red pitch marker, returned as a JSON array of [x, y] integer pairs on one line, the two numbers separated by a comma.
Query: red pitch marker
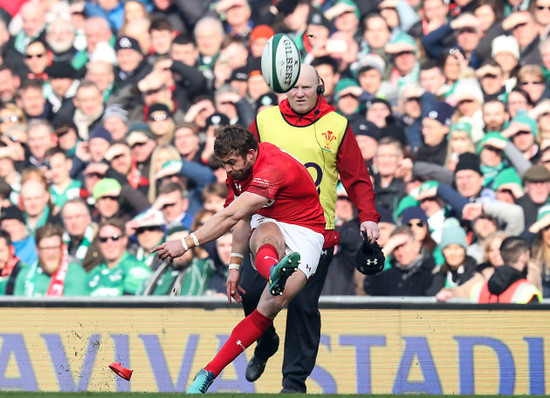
[[121, 371]]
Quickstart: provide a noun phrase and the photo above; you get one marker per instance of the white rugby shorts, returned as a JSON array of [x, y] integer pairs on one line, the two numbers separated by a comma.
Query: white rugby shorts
[[297, 239]]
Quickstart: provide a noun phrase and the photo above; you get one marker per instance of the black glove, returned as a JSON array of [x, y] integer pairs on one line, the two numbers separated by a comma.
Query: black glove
[[370, 260]]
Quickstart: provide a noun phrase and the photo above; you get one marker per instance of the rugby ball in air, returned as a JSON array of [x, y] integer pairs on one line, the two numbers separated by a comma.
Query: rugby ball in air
[[281, 63]]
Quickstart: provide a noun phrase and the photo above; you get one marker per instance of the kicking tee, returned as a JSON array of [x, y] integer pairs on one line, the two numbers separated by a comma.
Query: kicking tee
[[287, 184]]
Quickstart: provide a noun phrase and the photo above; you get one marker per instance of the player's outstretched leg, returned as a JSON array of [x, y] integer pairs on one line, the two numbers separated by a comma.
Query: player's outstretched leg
[[201, 382], [280, 272]]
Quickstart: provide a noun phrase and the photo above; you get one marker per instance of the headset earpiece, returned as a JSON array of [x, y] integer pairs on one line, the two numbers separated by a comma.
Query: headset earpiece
[[321, 87]]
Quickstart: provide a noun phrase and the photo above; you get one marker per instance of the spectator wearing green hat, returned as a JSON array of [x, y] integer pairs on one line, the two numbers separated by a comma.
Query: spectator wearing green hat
[[523, 132], [404, 54], [492, 160], [346, 95], [114, 200], [345, 17], [458, 266], [107, 198], [508, 186]]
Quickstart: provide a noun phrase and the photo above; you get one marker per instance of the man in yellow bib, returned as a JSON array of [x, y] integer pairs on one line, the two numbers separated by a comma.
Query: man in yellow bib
[[307, 127]]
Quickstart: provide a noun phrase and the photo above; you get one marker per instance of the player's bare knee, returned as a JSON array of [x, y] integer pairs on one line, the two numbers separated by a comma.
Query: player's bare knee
[[260, 239]]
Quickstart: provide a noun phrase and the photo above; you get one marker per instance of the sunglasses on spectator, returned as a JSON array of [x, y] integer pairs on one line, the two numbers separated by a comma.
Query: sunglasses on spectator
[[148, 229], [11, 118], [419, 224], [227, 103], [540, 8], [110, 197], [114, 238], [413, 99], [489, 76], [156, 118], [465, 101], [535, 83], [408, 52], [467, 30], [31, 56]]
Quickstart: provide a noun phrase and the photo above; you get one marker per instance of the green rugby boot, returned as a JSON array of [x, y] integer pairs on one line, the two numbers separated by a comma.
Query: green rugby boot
[[279, 273]]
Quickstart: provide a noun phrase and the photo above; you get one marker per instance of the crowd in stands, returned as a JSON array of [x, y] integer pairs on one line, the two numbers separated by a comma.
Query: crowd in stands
[[109, 109]]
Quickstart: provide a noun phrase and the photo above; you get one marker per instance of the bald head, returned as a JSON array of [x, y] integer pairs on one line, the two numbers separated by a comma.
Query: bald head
[[33, 18], [303, 96]]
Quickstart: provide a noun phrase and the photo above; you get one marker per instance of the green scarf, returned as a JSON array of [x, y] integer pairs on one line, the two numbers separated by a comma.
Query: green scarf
[[84, 245], [490, 173], [41, 221]]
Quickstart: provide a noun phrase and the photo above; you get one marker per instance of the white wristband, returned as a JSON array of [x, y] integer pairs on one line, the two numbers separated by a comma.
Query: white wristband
[[195, 239], [184, 244], [234, 266], [238, 255]]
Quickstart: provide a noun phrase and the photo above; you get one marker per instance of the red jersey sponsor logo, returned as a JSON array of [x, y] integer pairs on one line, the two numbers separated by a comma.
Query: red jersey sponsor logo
[[260, 182]]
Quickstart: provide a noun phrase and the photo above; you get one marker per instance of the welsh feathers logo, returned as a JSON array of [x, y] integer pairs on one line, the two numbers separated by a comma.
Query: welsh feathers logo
[[329, 137]]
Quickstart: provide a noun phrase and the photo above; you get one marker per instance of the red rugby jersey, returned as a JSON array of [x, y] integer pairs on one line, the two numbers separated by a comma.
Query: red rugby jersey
[[281, 178]]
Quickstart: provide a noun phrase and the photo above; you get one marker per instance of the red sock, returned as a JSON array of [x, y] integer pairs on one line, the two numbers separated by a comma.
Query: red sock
[[245, 333], [266, 257]]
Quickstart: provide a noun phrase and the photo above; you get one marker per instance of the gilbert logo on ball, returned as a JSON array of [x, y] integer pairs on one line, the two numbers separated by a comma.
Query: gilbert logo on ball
[[281, 63]]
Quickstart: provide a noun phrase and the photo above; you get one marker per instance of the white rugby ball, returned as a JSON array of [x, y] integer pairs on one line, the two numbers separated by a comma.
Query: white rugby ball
[[281, 63]]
